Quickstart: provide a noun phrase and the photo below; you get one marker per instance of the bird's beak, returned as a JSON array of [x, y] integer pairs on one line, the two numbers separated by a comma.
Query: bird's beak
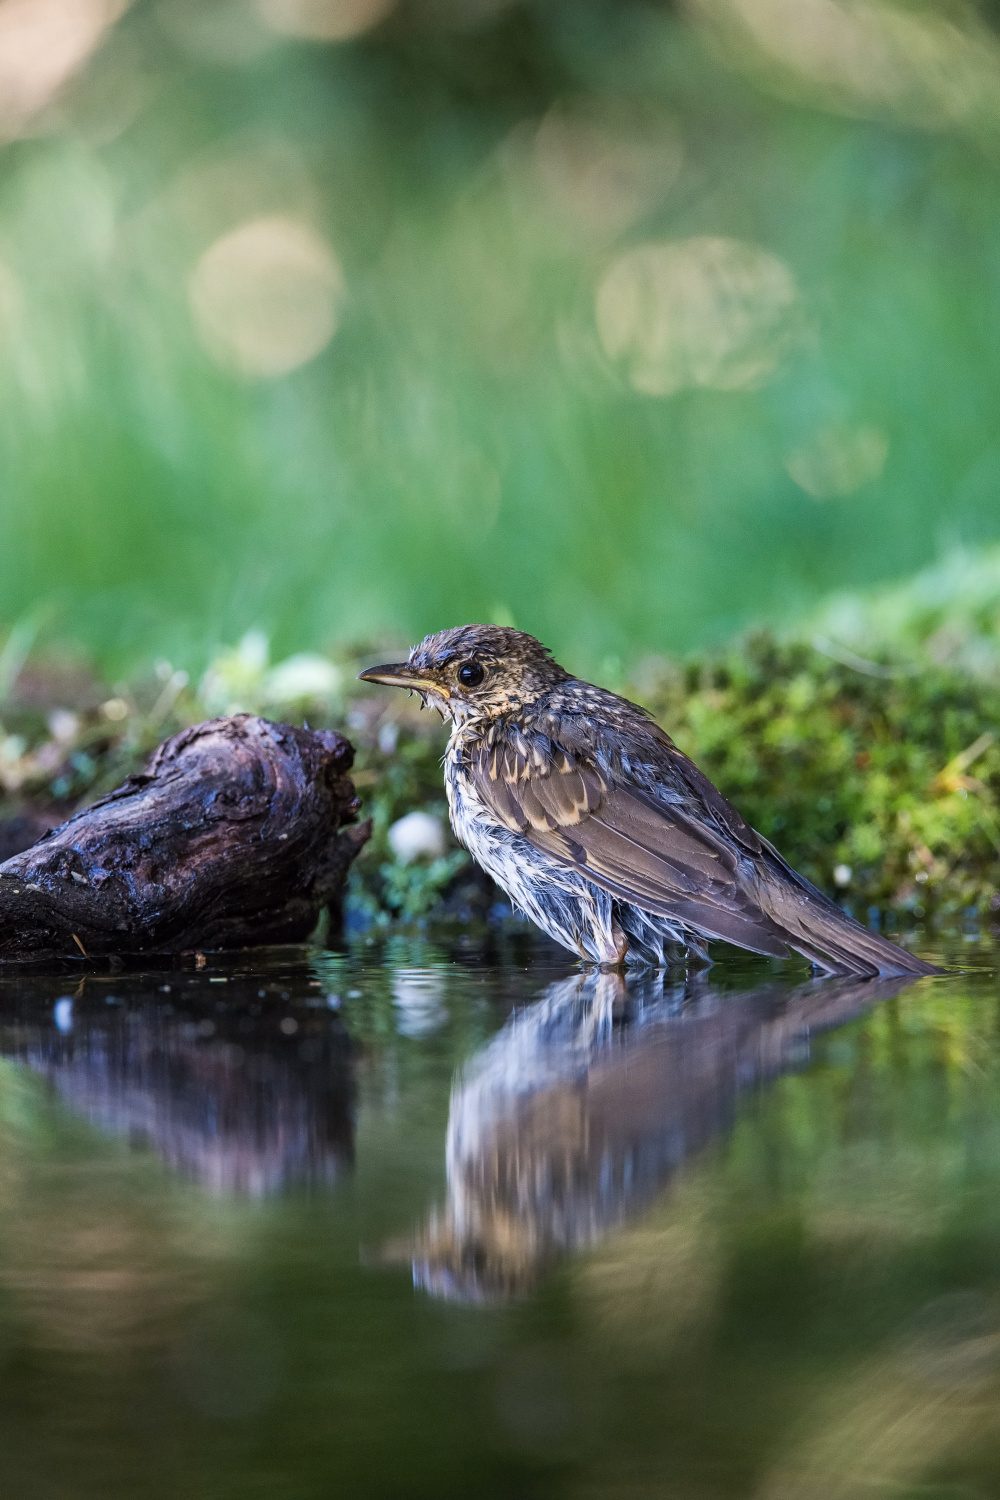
[[400, 675]]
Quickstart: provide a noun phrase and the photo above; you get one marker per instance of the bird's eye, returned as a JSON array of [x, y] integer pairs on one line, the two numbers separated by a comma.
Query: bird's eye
[[470, 674]]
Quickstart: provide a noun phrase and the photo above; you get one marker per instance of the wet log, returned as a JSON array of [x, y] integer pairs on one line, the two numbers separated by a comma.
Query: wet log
[[241, 1105], [240, 833]]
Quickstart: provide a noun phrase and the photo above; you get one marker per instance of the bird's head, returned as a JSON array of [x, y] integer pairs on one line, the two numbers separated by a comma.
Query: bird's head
[[474, 671]]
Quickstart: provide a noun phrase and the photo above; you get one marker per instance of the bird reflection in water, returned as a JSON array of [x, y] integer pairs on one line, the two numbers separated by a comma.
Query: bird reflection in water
[[242, 1099], [578, 1112]]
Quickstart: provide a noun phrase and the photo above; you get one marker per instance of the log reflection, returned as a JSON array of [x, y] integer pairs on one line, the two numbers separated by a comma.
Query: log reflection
[[578, 1112], [243, 1097]]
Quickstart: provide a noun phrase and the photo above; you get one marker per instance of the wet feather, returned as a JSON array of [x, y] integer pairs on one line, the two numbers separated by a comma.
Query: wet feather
[[603, 831]]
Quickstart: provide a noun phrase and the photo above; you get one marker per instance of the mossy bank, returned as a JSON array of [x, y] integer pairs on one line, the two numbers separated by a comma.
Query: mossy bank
[[878, 777]]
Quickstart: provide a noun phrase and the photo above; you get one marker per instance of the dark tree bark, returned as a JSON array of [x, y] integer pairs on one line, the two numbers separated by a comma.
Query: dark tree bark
[[236, 836]]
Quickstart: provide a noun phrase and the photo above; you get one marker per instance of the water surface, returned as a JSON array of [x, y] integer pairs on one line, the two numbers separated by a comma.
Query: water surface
[[430, 1219]]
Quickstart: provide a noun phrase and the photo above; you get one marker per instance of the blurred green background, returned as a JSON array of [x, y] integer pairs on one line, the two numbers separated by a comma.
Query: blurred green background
[[630, 323]]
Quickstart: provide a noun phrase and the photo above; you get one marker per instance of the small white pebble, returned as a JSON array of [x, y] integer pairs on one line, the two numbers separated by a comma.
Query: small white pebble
[[842, 874], [64, 725], [417, 836]]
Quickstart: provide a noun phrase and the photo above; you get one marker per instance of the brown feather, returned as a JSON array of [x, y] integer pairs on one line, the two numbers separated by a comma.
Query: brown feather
[[595, 786], [692, 860]]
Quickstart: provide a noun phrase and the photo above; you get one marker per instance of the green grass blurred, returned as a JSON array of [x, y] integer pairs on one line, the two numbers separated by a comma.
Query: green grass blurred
[[468, 444]]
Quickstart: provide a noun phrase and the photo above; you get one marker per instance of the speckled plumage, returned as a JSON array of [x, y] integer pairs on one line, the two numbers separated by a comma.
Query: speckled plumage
[[600, 829]]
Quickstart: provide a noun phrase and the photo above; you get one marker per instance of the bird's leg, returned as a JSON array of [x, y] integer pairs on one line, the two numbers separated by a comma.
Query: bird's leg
[[611, 946], [697, 953]]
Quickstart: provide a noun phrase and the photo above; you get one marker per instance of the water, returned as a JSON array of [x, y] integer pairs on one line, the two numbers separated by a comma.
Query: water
[[419, 1220]]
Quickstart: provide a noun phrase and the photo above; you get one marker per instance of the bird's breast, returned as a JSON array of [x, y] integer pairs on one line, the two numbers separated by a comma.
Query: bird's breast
[[466, 809]]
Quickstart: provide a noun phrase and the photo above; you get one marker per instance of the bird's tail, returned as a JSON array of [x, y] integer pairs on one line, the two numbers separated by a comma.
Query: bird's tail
[[821, 931]]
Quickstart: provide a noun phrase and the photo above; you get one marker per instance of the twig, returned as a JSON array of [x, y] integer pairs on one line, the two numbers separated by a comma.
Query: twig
[[848, 658]]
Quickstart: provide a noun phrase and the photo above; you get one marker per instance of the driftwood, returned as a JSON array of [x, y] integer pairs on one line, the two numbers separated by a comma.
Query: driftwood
[[234, 837], [243, 1097]]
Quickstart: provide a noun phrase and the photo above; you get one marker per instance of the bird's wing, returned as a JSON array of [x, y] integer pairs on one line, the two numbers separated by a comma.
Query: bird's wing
[[663, 855], [667, 840]]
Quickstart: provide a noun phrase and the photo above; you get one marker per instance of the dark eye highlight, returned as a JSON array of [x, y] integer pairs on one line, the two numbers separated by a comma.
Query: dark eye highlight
[[470, 674]]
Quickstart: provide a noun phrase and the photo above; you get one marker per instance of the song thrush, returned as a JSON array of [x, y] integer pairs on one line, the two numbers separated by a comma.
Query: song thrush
[[600, 829]]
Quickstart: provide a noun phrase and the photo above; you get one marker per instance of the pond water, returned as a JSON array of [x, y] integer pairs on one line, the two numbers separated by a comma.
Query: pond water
[[432, 1218]]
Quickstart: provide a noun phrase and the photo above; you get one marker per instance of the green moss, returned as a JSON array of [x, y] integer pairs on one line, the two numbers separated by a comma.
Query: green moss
[[880, 781]]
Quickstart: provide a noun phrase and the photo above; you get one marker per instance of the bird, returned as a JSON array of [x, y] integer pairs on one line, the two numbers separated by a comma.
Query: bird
[[601, 830]]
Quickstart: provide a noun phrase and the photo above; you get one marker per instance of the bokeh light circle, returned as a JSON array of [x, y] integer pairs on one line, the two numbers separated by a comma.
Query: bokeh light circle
[[266, 297], [699, 312], [323, 20]]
